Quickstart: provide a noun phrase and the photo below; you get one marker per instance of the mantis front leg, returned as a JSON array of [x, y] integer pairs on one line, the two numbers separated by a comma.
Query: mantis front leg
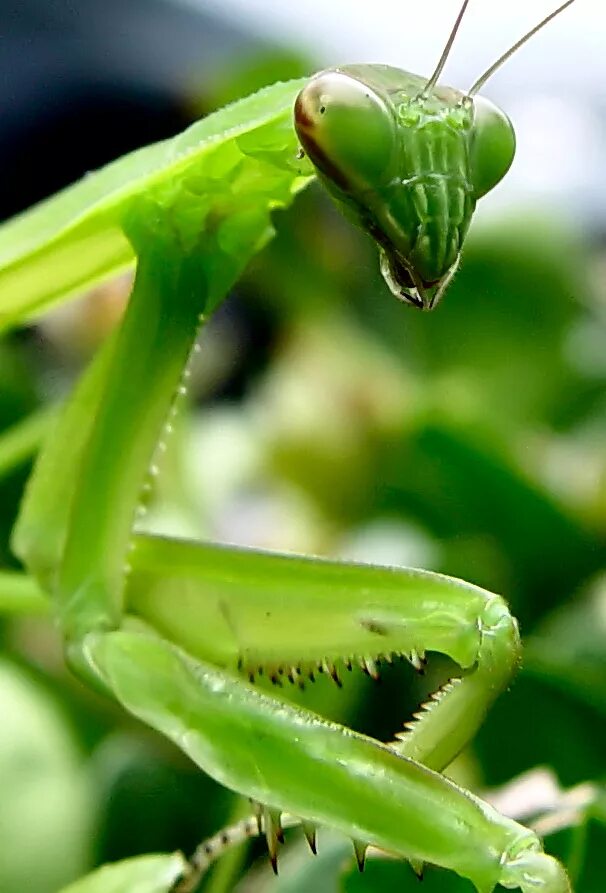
[[176, 631]]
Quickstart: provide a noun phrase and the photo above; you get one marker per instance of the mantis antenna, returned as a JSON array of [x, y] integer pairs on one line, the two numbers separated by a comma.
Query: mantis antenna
[[433, 80], [520, 43]]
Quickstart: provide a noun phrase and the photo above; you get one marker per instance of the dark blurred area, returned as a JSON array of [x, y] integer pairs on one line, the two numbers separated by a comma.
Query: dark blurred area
[[83, 83], [325, 418]]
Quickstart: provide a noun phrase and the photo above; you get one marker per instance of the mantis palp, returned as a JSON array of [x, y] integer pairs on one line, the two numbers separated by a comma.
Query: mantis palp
[[176, 630]]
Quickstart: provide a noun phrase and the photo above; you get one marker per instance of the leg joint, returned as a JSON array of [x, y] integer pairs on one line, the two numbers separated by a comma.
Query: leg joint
[[500, 647]]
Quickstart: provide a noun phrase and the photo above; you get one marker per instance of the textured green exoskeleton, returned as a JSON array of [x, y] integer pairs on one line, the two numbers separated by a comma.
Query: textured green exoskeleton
[[177, 631], [408, 167], [407, 160]]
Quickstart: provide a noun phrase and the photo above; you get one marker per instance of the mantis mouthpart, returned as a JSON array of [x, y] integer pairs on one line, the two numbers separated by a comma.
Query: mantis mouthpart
[[178, 631]]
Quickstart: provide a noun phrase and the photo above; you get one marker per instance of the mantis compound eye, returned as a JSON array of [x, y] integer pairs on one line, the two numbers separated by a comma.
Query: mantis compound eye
[[347, 130], [492, 148]]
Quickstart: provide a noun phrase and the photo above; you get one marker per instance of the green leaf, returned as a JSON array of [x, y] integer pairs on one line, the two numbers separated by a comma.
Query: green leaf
[[46, 808], [568, 650], [144, 874]]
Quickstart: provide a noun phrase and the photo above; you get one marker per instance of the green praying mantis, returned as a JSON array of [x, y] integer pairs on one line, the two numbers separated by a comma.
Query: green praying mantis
[[177, 631]]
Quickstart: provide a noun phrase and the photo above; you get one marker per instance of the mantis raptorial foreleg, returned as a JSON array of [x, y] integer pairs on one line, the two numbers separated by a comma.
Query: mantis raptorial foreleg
[[178, 631], [202, 620]]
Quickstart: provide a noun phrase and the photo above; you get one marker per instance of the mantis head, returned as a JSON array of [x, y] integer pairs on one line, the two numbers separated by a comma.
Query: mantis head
[[407, 160]]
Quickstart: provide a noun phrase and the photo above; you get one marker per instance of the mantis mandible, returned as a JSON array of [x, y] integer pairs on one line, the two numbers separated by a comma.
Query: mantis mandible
[[176, 631]]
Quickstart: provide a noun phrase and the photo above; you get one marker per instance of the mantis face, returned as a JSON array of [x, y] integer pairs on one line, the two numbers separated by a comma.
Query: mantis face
[[407, 164], [408, 159]]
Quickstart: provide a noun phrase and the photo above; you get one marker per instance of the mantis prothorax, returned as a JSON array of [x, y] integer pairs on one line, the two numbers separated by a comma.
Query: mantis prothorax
[[176, 630]]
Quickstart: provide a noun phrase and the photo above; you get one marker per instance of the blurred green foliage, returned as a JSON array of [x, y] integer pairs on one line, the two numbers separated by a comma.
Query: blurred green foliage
[[329, 418]]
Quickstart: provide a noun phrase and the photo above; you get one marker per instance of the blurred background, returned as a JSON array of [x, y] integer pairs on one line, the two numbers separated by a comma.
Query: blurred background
[[327, 418]]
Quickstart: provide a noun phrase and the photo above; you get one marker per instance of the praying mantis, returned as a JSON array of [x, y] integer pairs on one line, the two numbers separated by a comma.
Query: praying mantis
[[177, 631]]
